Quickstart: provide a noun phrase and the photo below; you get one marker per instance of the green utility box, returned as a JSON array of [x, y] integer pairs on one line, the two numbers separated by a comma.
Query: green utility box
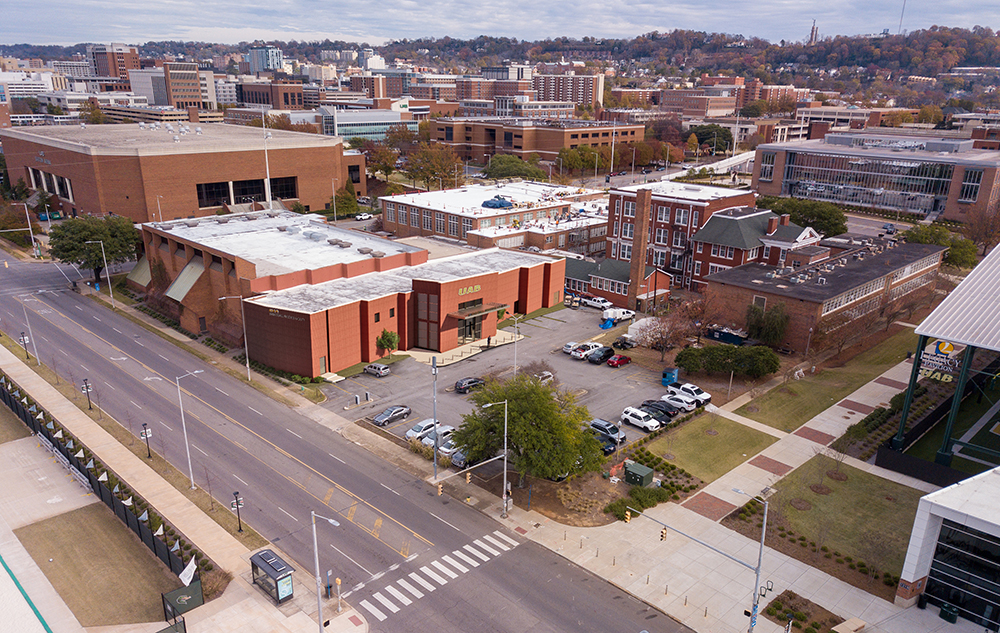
[[638, 475]]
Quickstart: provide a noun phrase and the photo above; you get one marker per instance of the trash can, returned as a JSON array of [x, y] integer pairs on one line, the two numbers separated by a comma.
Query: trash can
[[922, 601], [949, 613]]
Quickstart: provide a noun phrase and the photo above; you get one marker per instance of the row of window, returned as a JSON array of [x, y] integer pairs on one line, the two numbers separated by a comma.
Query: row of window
[[911, 285], [681, 215], [853, 295], [609, 285]]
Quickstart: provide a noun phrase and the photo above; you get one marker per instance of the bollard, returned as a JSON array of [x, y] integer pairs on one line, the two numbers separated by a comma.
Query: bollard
[[564, 535], [368, 397], [647, 579], [614, 561], [598, 554], [357, 400], [581, 542], [685, 601], [666, 590], [706, 612]]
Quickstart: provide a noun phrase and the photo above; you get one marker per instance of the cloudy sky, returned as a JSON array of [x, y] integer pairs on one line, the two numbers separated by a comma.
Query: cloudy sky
[[231, 21]]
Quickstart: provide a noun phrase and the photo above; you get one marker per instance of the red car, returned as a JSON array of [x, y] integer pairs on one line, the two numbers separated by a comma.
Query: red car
[[618, 360]]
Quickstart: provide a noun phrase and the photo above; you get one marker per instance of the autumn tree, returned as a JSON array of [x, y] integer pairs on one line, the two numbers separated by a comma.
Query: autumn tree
[[434, 162], [382, 160], [75, 242], [400, 138], [982, 227]]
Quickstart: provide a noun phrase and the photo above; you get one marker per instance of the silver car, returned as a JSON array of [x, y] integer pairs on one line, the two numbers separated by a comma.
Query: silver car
[[444, 431], [420, 429]]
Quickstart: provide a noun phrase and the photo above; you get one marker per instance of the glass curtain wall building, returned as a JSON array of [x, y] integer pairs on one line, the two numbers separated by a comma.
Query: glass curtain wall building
[[965, 573]]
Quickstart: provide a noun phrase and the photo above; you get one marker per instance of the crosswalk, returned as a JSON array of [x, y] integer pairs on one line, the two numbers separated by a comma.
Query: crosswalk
[[402, 592]]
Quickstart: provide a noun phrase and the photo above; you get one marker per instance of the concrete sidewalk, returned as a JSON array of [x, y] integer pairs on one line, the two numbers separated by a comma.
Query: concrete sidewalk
[[243, 607]]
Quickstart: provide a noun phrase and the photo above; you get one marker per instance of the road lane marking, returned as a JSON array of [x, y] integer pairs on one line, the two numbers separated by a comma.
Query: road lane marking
[[63, 353], [500, 534], [336, 458], [371, 609], [240, 480], [222, 392], [433, 576], [416, 593], [164, 357], [254, 410], [493, 541], [420, 581], [444, 570], [351, 559], [199, 450], [166, 425], [137, 406], [116, 330], [388, 488], [443, 521], [96, 318], [468, 559], [486, 547], [472, 550], [78, 308], [84, 368], [454, 563], [294, 433], [287, 513], [377, 527], [398, 595], [109, 385]]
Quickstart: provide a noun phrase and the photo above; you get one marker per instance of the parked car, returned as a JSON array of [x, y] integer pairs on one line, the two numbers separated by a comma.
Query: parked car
[[465, 385], [617, 314], [666, 407], [611, 430], [363, 216], [420, 429], [600, 355], [657, 414], [684, 403], [597, 302], [448, 448], [444, 431], [608, 445], [544, 377], [458, 458], [889, 228], [378, 369], [691, 391], [624, 341], [393, 414], [639, 418], [618, 360], [569, 347], [647, 171], [583, 350]]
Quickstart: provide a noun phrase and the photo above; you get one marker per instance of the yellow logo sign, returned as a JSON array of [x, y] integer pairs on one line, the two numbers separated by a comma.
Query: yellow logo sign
[[944, 348], [469, 290]]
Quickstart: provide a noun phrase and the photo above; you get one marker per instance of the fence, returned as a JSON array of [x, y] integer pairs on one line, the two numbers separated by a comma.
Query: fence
[[43, 427]]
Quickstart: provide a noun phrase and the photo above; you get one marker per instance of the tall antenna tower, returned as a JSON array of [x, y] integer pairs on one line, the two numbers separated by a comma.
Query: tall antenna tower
[[900, 32], [813, 35]]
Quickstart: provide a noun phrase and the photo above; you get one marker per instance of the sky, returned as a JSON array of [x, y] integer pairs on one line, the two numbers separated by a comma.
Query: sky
[[232, 21]]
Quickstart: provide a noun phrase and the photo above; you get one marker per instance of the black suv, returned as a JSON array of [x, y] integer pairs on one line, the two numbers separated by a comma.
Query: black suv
[[601, 355], [465, 385], [660, 405]]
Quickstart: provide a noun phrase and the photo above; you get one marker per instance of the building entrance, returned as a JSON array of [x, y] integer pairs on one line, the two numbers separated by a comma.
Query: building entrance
[[470, 330]]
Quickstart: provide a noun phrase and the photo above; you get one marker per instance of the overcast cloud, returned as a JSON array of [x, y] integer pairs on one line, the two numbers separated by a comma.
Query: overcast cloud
[[231, 21]]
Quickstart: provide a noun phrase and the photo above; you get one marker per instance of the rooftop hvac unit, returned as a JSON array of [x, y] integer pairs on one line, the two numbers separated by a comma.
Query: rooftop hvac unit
[[344, 245], [364, 250], [177, 139], [192, 223], [315, 236], [378, 254], [274, 213], [821, 281], [222, 220], [333, 241], [283, 228], [197, 130]]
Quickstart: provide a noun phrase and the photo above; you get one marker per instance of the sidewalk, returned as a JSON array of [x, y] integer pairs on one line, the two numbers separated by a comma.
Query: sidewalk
[[243, 607]]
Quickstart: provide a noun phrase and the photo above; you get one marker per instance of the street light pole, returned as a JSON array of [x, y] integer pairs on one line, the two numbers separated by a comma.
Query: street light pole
[[503, 494], [246, 344], [239, 519], [31, 233], [34, 345], [760, 560], [267, 166], [86, 390], [108, 272], [145, 435], [158, 209], [335, 181], [517, 333], [319, 579], [434, 372], [180, 403]]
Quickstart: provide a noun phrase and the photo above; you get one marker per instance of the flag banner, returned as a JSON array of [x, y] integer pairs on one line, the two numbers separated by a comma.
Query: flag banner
[[116, 489], [90, 464], [58, 434], [78, 454], [128, 502], [187, 575], [104, 475], [159, 531]]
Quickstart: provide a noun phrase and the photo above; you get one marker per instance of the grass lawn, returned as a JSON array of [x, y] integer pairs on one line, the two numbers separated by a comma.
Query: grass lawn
[[794, 403], [102, 570], [968, 414], [11, 428], [708, 456], [839, 519]]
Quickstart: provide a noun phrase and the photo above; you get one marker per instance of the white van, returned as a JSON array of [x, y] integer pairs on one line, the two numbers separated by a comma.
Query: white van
[[617, 314]]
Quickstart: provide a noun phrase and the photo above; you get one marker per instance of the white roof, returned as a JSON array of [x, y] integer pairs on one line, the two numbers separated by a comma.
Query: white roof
[[684, 191], [468, 200], [972, 502], [970, 315]]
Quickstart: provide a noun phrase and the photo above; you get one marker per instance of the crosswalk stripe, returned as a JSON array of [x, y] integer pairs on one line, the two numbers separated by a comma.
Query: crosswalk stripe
[[388, 604], [398, 595], [500, 534], [413, 590], [371, 609], [454, 563], [494, 541], [433, 576], [423, 583], [468, 559], [472, 550], [486, 547], [444, 569]]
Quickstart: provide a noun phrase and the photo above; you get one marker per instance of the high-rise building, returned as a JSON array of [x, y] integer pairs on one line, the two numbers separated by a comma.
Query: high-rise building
[[176, 84], [112, 60], [585, 90], [264, 58]]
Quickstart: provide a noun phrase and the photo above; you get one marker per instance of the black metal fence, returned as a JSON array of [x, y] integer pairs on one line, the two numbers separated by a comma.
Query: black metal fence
[[39, 421]]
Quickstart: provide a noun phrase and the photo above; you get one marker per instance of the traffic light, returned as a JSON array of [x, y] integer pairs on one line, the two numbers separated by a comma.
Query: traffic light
[[468, 478], [440, 489], [663, 534], [628, 516]]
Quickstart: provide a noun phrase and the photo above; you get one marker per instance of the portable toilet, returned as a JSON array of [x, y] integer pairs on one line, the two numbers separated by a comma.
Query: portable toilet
[[670, 375], [638, 475]]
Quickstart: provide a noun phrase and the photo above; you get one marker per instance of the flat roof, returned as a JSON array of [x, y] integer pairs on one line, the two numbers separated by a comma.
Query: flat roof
[[854, 273], [820, 146], [310, 299], [971, 313], [684, 191], [468, 201], [972, 501], [131, 140], [283, 243]]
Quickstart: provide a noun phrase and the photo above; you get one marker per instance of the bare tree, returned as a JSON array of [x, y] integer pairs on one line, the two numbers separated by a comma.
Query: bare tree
[[97, 401], [208, 484], [53, 363], [982, 226], [876, 549], [837, 456], [131, 434]]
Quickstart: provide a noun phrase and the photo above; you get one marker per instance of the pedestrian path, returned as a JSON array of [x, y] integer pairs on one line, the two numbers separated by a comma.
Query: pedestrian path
[[402, 592]]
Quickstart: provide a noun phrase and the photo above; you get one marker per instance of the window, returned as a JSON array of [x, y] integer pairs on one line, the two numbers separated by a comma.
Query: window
[[453, 226], [466, 226], [697, 269], [615, 230], [694, 218], [767, 252], [614, 250], [767, 166], [414, 217], [212, 194], [662, 235], [402, 215], [680, 240], [628, 230], [682, 217], [663, 214], [378, 317], [659, 258], [970, 185], [626, 251], [676, 260], [629, 208], [392, 312], [700, 246], [390, 212], [715, 250], [439, 223], [713, 268], [730, 252], [427, 221], [760, 302]]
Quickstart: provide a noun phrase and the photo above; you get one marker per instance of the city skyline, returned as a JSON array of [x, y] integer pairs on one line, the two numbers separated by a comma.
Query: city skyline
[[353, 20]]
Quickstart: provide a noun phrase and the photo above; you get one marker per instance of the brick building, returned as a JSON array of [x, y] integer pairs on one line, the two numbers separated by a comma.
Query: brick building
[[153, 172], [317, 297], [678, 211], [612, 280], [584, 90], [822, 297], [283, 95], [112, 60]]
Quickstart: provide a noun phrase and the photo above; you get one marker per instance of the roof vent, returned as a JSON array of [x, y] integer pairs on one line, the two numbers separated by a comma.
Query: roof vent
[[315, 236], [293, 230], [283, 228], [192, 223], [344, 245], [197, 130], [364, 250], [177, 139], [378, 254], [222, 220]]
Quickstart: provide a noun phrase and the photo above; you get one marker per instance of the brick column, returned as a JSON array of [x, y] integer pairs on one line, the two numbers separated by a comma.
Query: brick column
[[640, 241]]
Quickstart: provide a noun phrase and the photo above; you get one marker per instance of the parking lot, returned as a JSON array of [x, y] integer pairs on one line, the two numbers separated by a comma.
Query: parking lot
[[605, 391]]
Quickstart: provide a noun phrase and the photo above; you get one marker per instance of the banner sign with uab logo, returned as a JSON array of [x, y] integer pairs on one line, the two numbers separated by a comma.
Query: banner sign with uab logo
[[180, 601], [940, 362]]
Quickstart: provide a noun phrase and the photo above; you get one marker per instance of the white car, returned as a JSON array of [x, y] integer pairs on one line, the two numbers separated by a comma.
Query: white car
[[690, 390], [638, 418], [584, 349], [444, 432], [363, 216], [684, 403], [569, 347], [420, 429], [448, 448], [597, 302]]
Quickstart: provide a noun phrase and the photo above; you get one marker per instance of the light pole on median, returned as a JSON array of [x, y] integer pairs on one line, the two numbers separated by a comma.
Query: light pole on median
[[31, 233], [760, 559], [503, 495], [319, 579], [180, 403], [517, 332], [246, 344], [31, 336], [111, 291]]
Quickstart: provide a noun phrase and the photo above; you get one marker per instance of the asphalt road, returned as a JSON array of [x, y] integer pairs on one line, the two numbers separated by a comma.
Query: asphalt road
[[873, 226], [392, 526]]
